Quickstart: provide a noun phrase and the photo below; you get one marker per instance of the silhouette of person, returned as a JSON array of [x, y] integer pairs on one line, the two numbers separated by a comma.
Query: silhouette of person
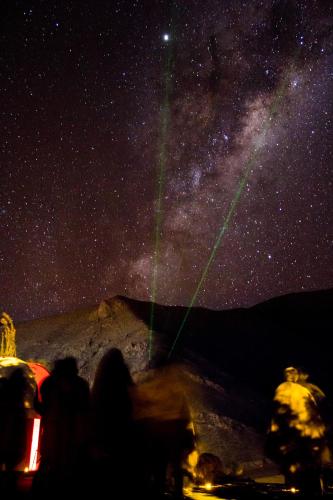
[[297, 434], [16, 396], [64, 408], [325, 412], [163, 416], [113, 435]]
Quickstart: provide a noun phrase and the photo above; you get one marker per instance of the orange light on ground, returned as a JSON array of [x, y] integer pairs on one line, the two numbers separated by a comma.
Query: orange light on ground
[[34, 445]]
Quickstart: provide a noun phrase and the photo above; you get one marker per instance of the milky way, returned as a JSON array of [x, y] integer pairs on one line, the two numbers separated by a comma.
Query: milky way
[[111, 110]]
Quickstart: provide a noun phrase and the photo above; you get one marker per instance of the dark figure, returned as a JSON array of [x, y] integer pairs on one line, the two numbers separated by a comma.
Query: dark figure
[[325, 412], [297, 436], [13, 426], [64, 408], [163, 417], [113, 435]]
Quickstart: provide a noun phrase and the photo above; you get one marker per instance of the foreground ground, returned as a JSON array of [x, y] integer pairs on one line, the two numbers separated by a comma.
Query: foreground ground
[[231, 491]]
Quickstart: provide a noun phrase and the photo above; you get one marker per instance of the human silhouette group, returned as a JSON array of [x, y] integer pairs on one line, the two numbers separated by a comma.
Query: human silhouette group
[[131, 438], [118, 436]]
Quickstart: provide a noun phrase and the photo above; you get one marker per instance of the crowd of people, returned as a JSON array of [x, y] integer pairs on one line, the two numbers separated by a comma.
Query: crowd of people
[[135, 438], [118, 436]]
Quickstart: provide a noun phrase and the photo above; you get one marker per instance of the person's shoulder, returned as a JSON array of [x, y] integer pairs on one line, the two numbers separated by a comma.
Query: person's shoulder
[[48, 387], [82, 383], [316, 391], [284, 386], [290, 389], [47, 382]]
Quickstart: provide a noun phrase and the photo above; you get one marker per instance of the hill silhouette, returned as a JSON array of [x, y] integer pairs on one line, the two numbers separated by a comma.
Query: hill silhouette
[[254, 344]]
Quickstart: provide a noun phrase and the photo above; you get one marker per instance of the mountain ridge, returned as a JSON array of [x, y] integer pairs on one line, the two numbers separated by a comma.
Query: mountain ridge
[[232, 359]]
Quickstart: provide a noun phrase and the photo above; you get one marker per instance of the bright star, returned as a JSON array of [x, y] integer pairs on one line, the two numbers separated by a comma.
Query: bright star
[[166, 37]]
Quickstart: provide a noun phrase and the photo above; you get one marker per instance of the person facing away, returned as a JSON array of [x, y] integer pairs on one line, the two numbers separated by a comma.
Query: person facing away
[[297, 434], [14, 394], [112, 420], [64, 408]]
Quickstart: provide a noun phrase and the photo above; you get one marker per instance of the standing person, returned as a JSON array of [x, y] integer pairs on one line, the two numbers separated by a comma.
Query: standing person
[[14, 393], [64, 408], [113, 424], [297, 434], [324, 411], [163, 416]]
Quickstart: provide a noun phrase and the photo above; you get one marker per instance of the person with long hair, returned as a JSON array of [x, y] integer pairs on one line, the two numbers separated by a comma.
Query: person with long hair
[[112, 421]]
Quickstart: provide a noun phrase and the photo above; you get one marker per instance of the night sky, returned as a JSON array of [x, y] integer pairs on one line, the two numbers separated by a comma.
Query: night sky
[[208, 122]]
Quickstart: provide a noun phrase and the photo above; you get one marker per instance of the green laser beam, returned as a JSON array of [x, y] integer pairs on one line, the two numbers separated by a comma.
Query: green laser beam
[[165, 119], [217, 243], [267, 124]]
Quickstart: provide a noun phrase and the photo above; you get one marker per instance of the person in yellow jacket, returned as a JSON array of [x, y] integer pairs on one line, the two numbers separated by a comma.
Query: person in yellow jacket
[[297, 434]]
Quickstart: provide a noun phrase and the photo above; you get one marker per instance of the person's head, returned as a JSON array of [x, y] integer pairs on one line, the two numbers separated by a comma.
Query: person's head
[[112, 369], [291, 374], [112, 361], [66, 367]]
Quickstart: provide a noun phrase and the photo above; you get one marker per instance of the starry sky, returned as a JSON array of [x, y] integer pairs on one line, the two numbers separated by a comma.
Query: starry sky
[[142, 140]]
